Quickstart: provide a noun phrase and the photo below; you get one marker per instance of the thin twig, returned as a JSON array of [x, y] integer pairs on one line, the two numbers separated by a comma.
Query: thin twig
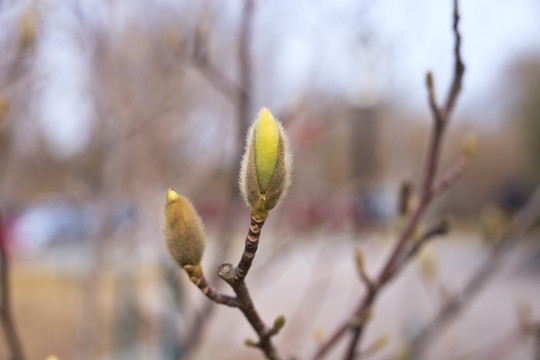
[[197, 277], [392, 264], [251, 244], [12, 339], [440, 228], [459, 67], [235, 277], [452, 176], [522, 224]]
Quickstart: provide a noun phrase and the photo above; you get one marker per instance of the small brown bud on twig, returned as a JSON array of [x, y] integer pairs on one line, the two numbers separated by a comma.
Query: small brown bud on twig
[[250, 343], [405, 192], [360, 267], [429, 81]]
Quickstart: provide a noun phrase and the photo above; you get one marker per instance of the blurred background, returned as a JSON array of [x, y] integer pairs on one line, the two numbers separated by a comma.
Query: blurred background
[[104, 105]]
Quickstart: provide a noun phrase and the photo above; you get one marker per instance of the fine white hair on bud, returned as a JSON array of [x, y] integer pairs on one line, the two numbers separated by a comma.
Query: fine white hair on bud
[[266, 164]]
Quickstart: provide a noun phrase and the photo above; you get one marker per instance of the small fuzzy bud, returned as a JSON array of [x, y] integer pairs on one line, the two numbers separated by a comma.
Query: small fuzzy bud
[[278, 325], [427, 263], [183, 231], [429, 80], [468, 147], [265, 170], [250, 343], [405, 192]]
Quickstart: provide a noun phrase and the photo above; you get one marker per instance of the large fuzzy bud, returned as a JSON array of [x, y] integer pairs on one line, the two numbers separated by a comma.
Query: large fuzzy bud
[[265, 170], [183, 230]]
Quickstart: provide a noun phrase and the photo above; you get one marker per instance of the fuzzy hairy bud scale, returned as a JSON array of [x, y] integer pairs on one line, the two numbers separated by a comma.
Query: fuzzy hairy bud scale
[[183, 230], [266, 165]]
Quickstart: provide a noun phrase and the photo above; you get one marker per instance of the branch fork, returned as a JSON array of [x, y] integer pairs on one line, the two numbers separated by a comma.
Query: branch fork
[[235, 277]]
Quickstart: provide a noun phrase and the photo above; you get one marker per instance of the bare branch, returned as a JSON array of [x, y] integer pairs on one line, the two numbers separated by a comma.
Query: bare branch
[[197, 277], [430, 169], [521, 226], [459, 67], [251, 244]]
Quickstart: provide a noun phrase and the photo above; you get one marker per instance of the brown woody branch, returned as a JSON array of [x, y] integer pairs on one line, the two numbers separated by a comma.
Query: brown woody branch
[[197, 277], [392, 265], [235, 277]]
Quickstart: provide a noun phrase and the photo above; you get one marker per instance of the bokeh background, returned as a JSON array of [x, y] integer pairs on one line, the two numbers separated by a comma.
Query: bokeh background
[[104, 105]]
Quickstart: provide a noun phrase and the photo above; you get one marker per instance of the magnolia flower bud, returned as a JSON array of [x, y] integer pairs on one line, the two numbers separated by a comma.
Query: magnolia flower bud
[[183, 230], [265, 170]]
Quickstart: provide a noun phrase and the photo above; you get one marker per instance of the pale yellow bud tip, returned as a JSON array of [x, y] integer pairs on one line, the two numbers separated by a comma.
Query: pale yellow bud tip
[[172, 195], [51, 357], [266, 147]]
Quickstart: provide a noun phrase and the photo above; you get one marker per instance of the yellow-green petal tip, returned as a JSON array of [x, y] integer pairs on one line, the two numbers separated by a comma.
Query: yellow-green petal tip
[[171, 195], [266, 147]]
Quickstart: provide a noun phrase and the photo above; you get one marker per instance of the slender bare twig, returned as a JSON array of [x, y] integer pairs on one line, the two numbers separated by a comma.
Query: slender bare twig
[[521, 226], [357, 321], [6, 315], [452, 175], [197, 277], [235, 277], [438, 229]]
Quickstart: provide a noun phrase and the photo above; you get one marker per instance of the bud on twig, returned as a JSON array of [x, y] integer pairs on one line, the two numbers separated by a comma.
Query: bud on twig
[[468, 147], [429, 81], [183, 231], [278, 325], [265, 170]]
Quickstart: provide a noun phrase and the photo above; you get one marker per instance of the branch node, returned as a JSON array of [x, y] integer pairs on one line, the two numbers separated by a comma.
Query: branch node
[[226, 272]]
